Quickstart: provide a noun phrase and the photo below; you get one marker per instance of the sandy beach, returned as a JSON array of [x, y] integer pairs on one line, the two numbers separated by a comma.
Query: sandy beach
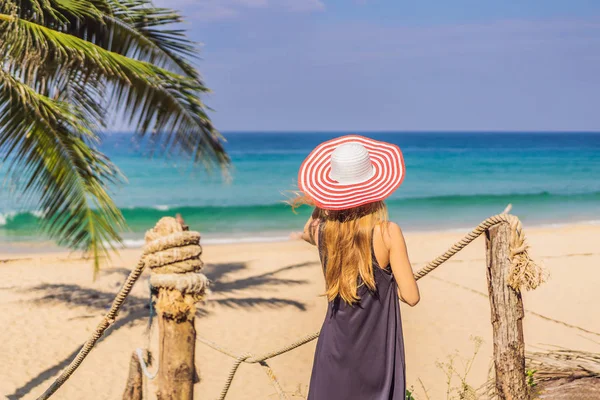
[[267, 295]]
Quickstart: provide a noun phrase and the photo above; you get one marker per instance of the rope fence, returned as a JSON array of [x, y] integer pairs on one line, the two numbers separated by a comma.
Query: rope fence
[[524, 274]]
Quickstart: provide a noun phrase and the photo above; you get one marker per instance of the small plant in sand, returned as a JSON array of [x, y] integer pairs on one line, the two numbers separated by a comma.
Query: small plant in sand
[[462, 390], [530, 381]]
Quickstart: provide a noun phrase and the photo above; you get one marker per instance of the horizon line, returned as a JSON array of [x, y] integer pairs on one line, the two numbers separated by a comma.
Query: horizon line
[[352, 131]]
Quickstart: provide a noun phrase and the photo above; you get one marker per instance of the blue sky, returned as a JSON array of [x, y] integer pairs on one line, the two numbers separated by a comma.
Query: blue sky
[[359, 65]]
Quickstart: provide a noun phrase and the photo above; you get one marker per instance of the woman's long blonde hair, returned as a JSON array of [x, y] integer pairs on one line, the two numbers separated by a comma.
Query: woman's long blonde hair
[[347, 238]]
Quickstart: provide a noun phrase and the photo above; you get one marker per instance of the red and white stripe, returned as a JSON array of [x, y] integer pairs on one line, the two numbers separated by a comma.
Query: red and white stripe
[[315, 182]]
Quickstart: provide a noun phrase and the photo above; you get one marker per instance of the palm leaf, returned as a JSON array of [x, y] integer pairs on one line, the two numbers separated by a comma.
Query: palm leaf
[[132, 28], [51, 156], [161, 46], [159, 102]]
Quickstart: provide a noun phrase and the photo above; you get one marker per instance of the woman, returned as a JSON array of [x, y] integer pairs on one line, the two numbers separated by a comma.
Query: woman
[[360, 351]]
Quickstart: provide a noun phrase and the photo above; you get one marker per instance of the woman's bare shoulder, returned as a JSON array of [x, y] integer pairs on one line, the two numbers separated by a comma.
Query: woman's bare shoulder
[[390, 232]]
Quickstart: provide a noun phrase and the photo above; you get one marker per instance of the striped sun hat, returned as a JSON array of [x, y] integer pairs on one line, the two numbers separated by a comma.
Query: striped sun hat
[[351, 171]]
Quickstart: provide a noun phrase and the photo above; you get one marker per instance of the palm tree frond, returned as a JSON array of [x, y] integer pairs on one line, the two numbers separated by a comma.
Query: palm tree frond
[[51, 156], [132, 28], [168, 47], [159, 102]]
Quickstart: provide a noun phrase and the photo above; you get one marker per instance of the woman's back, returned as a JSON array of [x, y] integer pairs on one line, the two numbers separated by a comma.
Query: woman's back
[[360, 352]]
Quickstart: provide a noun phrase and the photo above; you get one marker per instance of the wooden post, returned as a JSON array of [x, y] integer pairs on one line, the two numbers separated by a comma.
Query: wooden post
[[175, 313], [507, 317], [177, 337], [133, 388]]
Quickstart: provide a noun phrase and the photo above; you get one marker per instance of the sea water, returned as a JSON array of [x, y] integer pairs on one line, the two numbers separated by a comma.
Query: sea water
[[453, 181]]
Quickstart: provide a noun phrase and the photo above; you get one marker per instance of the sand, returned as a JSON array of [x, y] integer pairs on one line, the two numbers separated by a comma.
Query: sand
[[267, 295]]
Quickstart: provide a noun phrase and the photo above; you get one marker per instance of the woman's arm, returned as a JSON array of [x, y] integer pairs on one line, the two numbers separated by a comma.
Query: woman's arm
[[309, 233], [401, 268]]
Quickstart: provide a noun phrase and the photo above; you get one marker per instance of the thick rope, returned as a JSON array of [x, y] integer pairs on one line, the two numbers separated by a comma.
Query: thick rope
[[180, 267], [524, 272], [177, 239], [140, 355], [461, 244], [107, 321], [236, 364], [252, 359], [184, 283], [174, 254], [274, 381]]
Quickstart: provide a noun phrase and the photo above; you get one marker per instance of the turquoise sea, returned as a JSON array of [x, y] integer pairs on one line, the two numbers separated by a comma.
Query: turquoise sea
[[453, 181]]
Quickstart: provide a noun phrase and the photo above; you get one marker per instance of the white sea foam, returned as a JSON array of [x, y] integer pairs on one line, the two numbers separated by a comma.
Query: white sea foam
[[162, 207], [556, 224], [563, 224], [4, 218], [7, 216], [38, 214], [250, 239], [133, 243]]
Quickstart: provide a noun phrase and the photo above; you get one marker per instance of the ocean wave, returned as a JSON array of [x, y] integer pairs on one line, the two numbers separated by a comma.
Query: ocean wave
[[450, 200], [11, 217], [277, 216], [4, 218], [444, 199]]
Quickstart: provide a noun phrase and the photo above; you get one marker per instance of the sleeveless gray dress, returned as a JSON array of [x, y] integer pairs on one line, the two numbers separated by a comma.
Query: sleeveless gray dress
[[360, 350]]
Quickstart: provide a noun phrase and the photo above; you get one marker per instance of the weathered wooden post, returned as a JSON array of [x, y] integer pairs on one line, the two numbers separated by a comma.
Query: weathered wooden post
[[133, 388], [177, 336], [507, 317], [174, 256]]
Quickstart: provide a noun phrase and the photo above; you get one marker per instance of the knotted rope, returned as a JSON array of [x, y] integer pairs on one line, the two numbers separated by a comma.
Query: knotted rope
[[174, 258], [525, 273]]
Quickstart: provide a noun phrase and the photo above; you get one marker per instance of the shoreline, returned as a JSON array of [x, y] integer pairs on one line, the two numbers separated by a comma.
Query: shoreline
[[46, 246]]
